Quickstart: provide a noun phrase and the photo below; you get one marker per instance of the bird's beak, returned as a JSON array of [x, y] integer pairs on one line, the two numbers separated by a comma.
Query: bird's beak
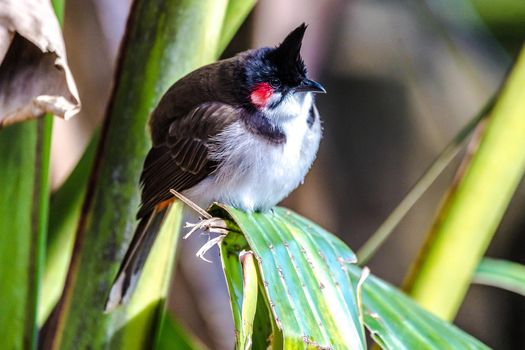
[[308, 85]]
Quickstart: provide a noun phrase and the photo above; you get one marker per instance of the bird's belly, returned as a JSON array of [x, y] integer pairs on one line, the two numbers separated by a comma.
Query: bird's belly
[[255, 174], [274, 173]]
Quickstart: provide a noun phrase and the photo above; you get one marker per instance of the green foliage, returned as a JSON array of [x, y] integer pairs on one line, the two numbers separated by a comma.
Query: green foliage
[[502, 274], [176, 337], [17, 237], [475, 205], [506, 20], [310, 286], [66, 205], [302, 271], [139, 322], [395, 321], [242, 284]]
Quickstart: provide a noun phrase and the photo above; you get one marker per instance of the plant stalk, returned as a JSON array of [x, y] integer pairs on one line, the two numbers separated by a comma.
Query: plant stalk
[[472, 210]]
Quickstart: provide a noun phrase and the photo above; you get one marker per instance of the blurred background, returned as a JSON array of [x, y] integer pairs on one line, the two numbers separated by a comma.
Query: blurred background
[[402, 78]]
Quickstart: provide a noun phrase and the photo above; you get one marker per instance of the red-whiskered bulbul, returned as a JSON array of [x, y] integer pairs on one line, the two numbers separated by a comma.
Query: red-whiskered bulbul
[[242, 131]]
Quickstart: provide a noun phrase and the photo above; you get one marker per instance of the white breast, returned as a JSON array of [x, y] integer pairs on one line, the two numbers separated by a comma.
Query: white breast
[[255, 174]]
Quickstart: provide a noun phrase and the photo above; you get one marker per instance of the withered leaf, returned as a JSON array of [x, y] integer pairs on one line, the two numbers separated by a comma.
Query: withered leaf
[[34, 75]]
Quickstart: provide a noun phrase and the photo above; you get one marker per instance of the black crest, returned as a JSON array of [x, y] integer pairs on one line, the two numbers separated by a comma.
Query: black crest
[[288, 54]]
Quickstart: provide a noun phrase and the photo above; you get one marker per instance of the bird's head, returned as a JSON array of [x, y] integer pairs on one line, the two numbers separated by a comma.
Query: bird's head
[[277, 75]]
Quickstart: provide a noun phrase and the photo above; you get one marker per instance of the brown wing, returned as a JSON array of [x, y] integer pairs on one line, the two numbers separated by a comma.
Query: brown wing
[[182, 160]]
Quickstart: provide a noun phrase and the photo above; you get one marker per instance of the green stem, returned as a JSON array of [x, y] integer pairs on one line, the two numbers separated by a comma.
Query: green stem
[[42, 170], [66, 206], [236, 12], [472, 211], [19, 227], [502, 274], [43, 164]]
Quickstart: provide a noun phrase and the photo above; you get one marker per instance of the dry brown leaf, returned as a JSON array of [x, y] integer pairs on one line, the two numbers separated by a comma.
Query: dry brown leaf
[[34, 75]]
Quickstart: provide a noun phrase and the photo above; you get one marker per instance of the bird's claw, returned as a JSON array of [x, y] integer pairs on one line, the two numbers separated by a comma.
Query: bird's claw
[[211, 225], [204, 249]]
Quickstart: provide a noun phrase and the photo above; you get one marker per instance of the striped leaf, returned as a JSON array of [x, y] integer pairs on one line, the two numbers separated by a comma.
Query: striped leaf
[[19, 216], [310, 285], [251, 314], [230, 251], [502, 274], [311, 297], [472, 209], [396, 322]]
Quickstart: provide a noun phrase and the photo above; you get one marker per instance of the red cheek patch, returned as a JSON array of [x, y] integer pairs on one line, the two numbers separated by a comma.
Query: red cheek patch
[[261, 94]]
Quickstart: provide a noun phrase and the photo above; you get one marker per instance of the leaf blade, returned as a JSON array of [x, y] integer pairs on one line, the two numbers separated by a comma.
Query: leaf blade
[[309, 313], [502, 274], [394, 320], [18, 228], [398, 322], [475, 205]]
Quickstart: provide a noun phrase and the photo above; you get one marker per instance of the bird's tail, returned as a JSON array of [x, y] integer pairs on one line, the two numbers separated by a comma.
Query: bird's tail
[[135, 258]]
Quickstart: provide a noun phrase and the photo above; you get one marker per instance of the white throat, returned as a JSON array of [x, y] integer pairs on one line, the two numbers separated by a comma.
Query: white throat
[[293, 106]]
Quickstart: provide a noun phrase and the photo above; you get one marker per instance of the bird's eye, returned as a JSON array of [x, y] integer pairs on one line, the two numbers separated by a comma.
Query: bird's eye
[[275, 83]]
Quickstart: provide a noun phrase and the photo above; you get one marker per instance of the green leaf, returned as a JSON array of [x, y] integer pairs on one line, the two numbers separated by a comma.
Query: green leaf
[[174, 336], [66, 206], [502, 274], [310, 283], [139, 320], [396, 322], [242, 281], [19, 228], [266, 334], [236, 12], [302, 268], [249, 301], [473, 208], [230, 250]]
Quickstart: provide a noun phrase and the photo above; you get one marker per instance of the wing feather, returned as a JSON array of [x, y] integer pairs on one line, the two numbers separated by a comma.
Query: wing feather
[[182, 161]]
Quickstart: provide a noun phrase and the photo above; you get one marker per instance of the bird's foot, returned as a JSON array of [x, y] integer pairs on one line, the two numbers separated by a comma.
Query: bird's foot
[[211, 225], [204, 249], [208, 224]]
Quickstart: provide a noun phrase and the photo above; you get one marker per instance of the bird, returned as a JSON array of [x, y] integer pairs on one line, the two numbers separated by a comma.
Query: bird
[[242, 131]]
